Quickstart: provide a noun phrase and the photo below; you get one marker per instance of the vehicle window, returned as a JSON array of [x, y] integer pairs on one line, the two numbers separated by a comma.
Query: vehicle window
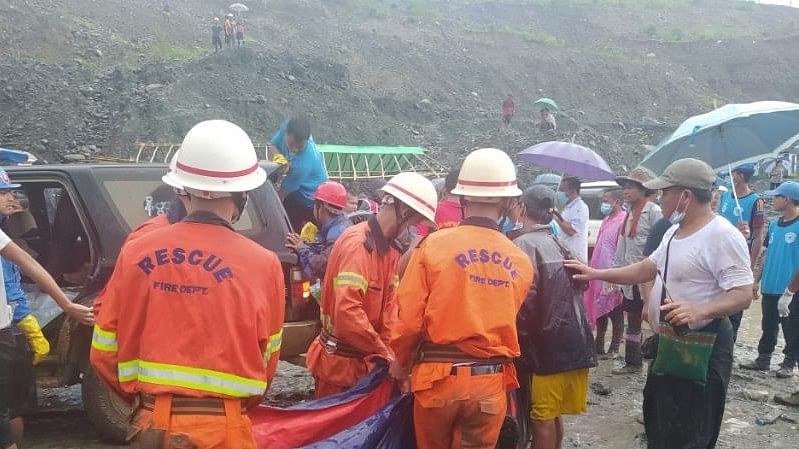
[[593, 198], [137, 201], [48, 226]]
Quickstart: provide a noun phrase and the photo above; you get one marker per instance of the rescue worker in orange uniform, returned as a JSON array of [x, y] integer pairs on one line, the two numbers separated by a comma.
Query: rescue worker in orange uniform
[[458, 300], [358, 293], [188, 332]]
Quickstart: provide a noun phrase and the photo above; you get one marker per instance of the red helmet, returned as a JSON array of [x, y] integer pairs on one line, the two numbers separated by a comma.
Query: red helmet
[[332, 193]]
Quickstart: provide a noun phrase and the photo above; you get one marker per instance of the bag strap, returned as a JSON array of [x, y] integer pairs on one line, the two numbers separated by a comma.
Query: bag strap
[[666, 271]]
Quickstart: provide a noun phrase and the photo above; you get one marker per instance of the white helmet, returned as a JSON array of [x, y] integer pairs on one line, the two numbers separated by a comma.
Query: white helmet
[[416, 191], [169, 180], [487, 175], [215, 159]]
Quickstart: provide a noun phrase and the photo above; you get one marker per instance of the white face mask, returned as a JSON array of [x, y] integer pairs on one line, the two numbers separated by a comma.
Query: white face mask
[[677, 217]]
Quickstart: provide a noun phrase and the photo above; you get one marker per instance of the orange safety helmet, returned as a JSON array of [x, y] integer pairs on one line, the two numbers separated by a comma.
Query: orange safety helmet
[[332, 193]]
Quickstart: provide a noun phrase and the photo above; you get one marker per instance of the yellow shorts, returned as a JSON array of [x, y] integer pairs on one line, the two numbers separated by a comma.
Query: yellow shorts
[[559, 394]]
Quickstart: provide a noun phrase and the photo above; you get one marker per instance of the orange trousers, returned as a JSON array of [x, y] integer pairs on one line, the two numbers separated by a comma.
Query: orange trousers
[[168, 428], [460, 411], [333, 373]]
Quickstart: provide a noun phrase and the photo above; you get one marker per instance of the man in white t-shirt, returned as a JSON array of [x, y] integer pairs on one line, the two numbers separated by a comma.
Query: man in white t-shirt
[[708, 279], [573, 221]]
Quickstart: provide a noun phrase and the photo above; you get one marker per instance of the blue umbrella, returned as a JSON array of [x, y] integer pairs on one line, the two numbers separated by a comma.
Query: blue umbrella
[[731, 135]]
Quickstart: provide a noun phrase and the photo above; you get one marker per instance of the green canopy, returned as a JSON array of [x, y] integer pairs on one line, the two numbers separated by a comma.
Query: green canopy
[[547, 103], [346, 162]]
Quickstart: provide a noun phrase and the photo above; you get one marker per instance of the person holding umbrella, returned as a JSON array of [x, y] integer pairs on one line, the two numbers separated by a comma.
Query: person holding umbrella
[[746, 210], [701, 277], [547, 120]]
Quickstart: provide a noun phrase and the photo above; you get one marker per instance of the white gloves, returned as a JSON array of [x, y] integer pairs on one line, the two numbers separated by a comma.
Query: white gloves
[[784, 303]]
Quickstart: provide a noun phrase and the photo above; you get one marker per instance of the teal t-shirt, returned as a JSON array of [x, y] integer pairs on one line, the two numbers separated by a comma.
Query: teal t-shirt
[[782, 258]]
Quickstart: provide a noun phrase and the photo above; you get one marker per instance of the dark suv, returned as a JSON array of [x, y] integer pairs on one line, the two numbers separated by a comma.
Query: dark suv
[[77, 219]]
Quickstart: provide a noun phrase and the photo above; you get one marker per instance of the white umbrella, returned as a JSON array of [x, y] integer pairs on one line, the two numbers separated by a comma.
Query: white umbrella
[[239, 7]]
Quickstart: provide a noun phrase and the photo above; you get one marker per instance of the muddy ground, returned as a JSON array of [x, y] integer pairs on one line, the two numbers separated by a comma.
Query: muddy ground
[[610, 422]]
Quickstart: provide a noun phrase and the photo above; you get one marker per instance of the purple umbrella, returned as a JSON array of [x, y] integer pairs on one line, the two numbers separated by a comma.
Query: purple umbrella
[[569, 158]]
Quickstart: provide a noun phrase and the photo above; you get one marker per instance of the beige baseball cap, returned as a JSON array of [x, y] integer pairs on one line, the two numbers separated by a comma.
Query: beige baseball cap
[[689, 173]]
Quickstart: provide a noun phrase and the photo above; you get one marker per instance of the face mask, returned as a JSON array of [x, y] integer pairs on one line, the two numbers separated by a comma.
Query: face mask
[[606, 209], [677, 217], [562, 198], [505, 225]]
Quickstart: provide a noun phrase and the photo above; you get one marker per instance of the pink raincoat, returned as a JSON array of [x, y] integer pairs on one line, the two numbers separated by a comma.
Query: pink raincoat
[[599, 303]]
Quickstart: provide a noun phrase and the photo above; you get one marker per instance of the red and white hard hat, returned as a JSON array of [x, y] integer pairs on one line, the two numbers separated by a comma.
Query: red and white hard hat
[[487, 175], [216, 158], [168, 180], [416, 191], [332, 193]]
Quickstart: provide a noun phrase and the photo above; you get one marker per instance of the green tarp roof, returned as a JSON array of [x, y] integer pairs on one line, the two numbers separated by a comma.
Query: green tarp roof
[[348, 162]]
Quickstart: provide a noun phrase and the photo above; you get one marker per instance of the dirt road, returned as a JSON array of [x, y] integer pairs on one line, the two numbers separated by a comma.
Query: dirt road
[[610, 422]]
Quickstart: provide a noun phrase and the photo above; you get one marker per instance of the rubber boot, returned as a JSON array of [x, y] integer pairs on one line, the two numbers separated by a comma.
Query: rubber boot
[[633, 359], [786, 368], [761, 363]]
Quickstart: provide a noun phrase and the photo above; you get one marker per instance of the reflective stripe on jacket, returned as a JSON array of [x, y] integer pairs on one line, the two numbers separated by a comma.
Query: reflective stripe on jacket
[[463, 287], [185, 313], [358, 303]]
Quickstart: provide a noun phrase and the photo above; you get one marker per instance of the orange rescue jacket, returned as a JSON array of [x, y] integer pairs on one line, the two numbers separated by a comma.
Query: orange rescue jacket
[[157, 222], [463, 287], [192, 309], [358, 294]]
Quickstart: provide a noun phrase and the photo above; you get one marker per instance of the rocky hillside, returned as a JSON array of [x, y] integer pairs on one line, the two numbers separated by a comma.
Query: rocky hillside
[[82, 75]]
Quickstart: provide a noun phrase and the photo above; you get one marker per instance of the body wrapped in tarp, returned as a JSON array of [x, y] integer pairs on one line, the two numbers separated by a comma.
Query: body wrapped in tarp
[[371, 415]]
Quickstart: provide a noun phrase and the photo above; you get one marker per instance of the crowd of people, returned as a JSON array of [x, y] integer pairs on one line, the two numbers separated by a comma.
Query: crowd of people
[[231, 31], [465, 292]]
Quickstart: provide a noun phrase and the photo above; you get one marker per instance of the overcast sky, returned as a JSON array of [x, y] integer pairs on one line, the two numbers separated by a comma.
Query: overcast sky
[[794, 3]]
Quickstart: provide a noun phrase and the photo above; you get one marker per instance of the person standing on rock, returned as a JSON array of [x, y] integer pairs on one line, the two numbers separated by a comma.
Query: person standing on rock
[[293, 145], [780, 274], [240, 32], [508, 108], [746, 210], [702, 276], [547, 121], [229, 31], [216, 35], [642, 214]]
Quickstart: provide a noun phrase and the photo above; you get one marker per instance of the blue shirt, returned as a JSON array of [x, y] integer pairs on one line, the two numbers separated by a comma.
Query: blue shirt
[[12, 278], [753, 211], [782, 258], [313, 257], [307, 167]]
